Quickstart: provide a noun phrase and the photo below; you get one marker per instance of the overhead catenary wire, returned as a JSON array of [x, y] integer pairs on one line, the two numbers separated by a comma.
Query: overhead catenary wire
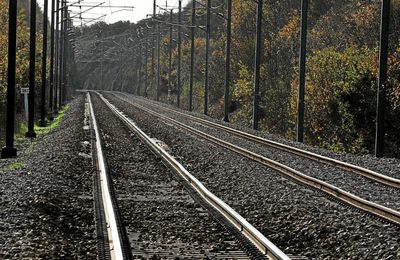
[[81, 12]]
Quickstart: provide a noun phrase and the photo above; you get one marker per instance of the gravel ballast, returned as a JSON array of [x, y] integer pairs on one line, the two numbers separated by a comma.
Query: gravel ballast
[[353, 183], [162, 220], [387, 166], [298, 220], [46, 209]]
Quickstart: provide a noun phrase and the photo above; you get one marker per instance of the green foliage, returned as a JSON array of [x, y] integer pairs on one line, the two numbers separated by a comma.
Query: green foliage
[[21, 130], [15, 166], [340, 99], [243, 88], [242, 95]]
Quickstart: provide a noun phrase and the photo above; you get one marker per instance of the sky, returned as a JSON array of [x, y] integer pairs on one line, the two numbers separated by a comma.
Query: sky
[[140, 10]]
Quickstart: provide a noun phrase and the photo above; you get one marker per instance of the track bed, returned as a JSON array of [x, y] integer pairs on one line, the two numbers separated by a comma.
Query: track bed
[[161, 218], [298, 220]]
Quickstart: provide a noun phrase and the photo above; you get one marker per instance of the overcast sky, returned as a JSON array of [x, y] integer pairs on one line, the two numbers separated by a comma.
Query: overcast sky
[[142, 8]]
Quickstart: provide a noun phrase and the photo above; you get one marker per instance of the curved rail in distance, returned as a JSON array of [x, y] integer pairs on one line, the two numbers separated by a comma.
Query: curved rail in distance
[[375, 176], [258, 239], [378, 210]]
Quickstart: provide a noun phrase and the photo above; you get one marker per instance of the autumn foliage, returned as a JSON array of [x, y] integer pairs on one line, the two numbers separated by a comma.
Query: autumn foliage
[[342, 68], [22, 56]]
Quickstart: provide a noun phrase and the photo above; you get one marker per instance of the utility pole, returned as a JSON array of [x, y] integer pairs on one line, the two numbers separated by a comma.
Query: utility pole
[[158, 62], [57, 57], [135, 74], [146, 50], [139, 64], [68, 58], [192, 30], [179, 54], [257, 65], [32, 62], [158, 53], [170, 55], [44, 67], [228, 60], [63, 86], [302, 79], [206, 77], [153, 72], [9, 151], [382, 78], [51, 94], [61, 54], [102, 61]]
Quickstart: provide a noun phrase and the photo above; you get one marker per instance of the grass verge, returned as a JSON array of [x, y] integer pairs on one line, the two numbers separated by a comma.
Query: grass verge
[[16, 164], [54, 123]]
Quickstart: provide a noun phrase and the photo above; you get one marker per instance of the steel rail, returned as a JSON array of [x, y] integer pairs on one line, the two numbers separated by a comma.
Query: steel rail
[[378, 210], [258, 239], [109, 212], [372, 175]]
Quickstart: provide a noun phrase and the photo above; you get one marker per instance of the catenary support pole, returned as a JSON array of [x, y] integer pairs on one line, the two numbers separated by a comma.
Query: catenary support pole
[[382, 78], [61, 54], [191, 79], [153, 72], [153, 69], [158, 62], [170, 57], [135, 74], [158, 52], [258, 51], [139, 64], [178, 101], [51, 93], [57, 57], [9, 150], [44, 66], [67, 60], [32, 67], [63, 86], [206, 76], [146, 50], [228, 60], [302, 71]]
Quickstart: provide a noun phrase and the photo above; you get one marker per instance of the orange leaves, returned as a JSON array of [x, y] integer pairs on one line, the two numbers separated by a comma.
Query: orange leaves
[[394, 79], [364, 15], [240, 12], [22, 58], [3, 47], [292, 29]]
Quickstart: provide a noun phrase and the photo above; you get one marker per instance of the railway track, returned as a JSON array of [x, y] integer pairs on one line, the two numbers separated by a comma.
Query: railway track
[[338, 194], [234, 221], [112, 240], [370, 174]]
